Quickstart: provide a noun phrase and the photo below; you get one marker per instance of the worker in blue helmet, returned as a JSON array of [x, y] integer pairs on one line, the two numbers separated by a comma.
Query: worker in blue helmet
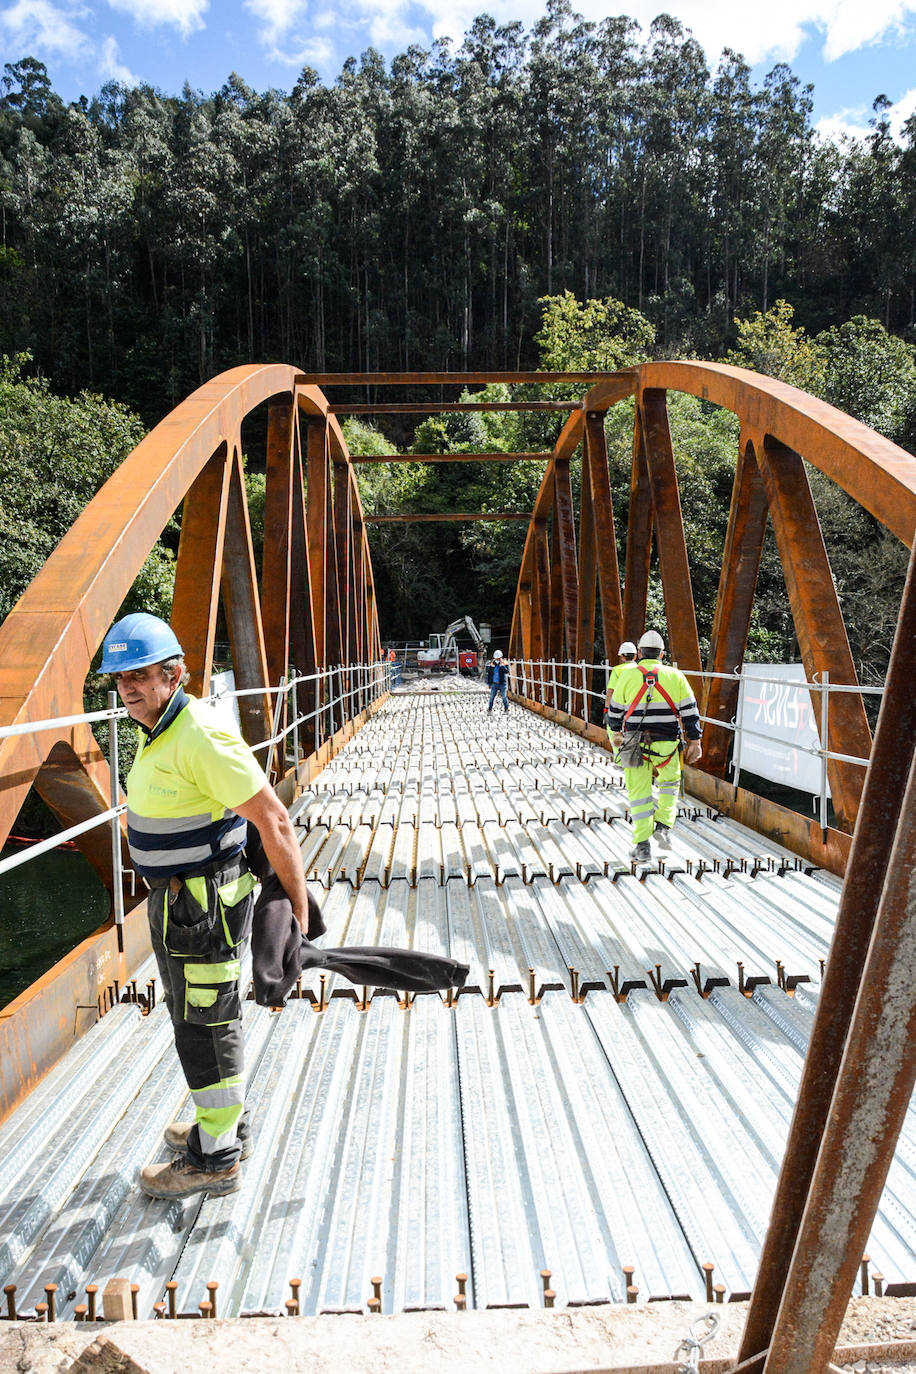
[[192, 789]]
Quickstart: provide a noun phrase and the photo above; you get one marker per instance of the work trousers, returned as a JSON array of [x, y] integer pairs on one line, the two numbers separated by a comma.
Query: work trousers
[[646, 809], [198, 926], [503, 689]]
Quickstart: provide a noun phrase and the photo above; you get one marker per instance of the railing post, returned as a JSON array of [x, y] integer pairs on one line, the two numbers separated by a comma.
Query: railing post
[[736, 748], [117, 880], [295, 706], [825, 714]]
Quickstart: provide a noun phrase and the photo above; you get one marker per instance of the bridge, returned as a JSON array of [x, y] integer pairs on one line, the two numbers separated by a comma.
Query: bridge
[[575, 1001]]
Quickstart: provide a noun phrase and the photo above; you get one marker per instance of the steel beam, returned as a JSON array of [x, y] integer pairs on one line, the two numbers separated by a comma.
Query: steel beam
[[197, 571], [278, 517], [639, 537], [243, 610], [817, 616], [871, 864], [747, 518], [451, 458], [596, 462], [683, 644]]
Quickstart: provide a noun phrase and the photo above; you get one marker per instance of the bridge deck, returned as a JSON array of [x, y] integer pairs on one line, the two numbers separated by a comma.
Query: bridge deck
[[497, 1137]]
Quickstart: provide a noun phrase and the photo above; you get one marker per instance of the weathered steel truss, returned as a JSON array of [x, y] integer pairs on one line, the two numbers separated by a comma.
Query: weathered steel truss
[[312, 606], [779, 428]]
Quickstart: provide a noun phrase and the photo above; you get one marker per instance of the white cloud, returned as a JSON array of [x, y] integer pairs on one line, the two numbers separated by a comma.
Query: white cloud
[[771, 32], [187, 16], [854, 123], [44, 29], [111, 68]]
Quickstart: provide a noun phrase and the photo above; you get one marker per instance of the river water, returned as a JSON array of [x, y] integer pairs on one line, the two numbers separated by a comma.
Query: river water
[[46, 907]]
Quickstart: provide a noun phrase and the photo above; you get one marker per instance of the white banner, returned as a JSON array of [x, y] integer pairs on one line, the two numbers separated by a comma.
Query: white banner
[[227, 708], [784, 724]]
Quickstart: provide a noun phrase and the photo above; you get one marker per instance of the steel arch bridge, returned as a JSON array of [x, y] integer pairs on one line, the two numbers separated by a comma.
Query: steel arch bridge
[[313, 602], [314, 605]]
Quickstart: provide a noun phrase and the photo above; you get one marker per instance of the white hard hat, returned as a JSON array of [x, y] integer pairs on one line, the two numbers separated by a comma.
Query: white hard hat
[[651, 640], [497, 653], [627, 647]]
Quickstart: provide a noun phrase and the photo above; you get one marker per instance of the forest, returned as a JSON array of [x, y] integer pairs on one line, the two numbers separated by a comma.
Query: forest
[[578, 196]]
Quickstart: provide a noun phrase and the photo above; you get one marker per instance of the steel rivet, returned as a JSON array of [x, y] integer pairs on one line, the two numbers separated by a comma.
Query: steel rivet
[[51, 1289], [709, 1270], [211, 1289], [91, 1290], [549, 1296], [10, 1291], [863, 1270], [79, 1313], [205, 1310], [40, 1310], [632, 1293], [719, 1290], [171, 1289]]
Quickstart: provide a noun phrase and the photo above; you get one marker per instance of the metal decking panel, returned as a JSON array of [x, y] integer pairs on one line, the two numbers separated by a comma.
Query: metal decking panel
[[413, 1141]]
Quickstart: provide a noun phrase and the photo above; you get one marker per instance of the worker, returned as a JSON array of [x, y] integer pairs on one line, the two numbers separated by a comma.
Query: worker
[[652, 718], [498, 680], [192, 789], [625, 654]]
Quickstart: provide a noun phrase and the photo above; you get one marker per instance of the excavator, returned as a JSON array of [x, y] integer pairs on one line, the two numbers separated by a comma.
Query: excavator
[[442, 653]]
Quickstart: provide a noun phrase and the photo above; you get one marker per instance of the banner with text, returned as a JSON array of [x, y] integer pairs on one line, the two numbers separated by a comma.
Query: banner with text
[[784, 725]]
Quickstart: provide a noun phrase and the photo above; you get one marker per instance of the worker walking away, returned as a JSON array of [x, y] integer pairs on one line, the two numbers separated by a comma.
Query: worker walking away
[[625, 654], [192, 789], [652, 718], [498, 680]]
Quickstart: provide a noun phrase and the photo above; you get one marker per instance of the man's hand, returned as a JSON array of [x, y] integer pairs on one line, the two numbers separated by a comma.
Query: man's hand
[[692, 750], [278, 836], [617, 738]]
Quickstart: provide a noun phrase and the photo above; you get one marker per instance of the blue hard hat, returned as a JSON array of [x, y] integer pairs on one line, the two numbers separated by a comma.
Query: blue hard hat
[[137, 641]]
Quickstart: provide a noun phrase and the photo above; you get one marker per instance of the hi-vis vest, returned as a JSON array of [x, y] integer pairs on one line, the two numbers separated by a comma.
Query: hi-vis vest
[[653, 713], [188, 774]]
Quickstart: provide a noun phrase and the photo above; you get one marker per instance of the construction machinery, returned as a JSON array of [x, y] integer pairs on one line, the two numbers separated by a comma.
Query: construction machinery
[[443, 655]]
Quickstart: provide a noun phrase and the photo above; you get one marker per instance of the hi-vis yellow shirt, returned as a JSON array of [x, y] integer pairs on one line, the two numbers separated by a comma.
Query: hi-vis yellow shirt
[[653, 712], [188, 774]]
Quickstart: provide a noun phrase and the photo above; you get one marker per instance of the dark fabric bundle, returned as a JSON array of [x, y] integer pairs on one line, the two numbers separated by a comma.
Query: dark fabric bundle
[[280, 951]]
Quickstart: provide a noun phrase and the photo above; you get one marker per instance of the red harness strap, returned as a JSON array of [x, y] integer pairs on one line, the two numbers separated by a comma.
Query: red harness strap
[[650, 681]]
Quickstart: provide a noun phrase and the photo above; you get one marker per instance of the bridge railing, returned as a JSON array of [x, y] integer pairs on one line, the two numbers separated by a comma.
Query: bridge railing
[[340, 693], [567, 687]]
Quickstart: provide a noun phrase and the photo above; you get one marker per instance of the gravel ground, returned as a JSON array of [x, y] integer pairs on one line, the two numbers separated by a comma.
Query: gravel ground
[[644, 1337]]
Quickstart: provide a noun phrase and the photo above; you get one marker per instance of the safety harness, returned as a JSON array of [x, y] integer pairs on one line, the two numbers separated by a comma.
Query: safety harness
[[650, 684]]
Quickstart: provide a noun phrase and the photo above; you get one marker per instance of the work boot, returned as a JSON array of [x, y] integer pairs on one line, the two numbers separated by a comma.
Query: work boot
[[662, 836], [180, 1179], [642, 852], [176, 1135]]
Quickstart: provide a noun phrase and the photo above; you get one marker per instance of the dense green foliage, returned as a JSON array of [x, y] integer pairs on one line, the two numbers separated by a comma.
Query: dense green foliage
[[54, 455], [412, 214], [580, 197]]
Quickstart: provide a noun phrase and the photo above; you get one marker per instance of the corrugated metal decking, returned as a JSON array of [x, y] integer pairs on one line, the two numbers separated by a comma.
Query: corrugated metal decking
[[625, 1134]]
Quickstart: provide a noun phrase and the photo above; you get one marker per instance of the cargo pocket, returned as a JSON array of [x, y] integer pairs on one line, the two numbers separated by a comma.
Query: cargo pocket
[[236, 904], [188, 919], [212, 993]]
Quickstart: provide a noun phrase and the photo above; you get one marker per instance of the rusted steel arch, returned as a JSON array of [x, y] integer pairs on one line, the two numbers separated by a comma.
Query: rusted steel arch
[[48, 640], [780, 427]]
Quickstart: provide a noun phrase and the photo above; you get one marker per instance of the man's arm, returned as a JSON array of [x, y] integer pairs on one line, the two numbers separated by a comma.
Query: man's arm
[[278, 836]]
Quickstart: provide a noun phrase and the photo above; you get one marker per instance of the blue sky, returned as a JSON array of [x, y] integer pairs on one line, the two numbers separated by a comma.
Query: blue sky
[[851, 50]]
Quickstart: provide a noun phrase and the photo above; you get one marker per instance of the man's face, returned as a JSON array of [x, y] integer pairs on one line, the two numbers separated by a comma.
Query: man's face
[[146, 692]]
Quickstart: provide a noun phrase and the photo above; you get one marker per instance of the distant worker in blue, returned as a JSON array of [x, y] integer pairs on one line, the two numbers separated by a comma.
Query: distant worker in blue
[[192, 789], [652, 718], [498, 680]]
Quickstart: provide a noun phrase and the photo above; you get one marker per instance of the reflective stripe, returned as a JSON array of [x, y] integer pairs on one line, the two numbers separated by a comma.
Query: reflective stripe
[[232, 893], [217, 1110], [168, 825], [227, 972], [224, 1094]]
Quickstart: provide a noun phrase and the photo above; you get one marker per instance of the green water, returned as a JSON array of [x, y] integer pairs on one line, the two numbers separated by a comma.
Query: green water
[[46, 907]]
